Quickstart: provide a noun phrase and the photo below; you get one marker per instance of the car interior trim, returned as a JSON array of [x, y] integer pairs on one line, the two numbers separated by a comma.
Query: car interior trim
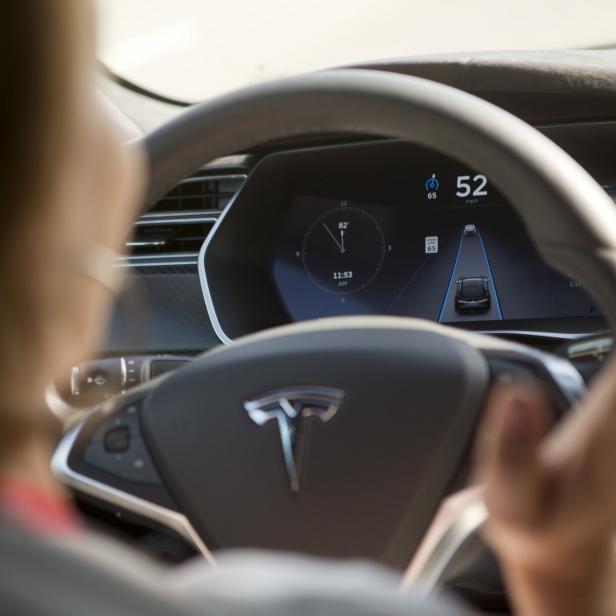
[[175, 219], [161, 263], [214, 178], [171, 519], [459, 516], [205, 287], [526, 333], [154, 257]]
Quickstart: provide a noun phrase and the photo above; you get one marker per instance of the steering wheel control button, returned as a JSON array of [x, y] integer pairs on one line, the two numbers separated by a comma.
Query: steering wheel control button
[[127, 417], [117, 440], [116, 447], [159, 367], [132, 464]]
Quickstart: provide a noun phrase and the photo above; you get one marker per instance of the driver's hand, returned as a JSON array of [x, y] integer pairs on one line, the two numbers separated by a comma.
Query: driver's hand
[[551, 496]]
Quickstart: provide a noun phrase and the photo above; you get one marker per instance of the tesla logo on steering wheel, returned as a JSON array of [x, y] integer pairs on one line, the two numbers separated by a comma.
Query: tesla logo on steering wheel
[[290, 409]]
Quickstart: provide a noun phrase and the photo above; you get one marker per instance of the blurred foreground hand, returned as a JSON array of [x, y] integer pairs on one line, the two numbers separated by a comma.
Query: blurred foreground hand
[[551, 496]]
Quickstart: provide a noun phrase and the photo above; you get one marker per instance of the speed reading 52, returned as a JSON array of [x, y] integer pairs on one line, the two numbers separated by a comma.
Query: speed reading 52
[[474, 186]]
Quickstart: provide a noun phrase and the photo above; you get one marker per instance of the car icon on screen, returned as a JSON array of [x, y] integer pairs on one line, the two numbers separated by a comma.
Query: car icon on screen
[[472, 294], [470, 231]]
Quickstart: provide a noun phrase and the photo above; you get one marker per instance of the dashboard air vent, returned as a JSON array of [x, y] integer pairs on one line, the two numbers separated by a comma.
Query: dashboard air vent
[[169, 237], [182, 219], [200, 193]]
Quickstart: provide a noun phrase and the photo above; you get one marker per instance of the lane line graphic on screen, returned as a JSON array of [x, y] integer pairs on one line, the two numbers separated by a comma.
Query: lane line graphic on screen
[[470, 266]]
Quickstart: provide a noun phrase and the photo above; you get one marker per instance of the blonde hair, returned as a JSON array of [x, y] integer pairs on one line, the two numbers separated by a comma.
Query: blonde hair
[[41, 53]]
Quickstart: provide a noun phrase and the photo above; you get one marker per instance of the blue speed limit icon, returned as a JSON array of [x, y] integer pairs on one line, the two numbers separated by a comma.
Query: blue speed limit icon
[[432, 183]]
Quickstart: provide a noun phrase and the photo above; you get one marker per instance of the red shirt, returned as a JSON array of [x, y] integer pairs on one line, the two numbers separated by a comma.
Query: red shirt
[[38, 511]]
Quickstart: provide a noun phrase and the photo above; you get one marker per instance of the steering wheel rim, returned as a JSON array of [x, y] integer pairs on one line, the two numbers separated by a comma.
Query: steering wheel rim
[[570, 219]]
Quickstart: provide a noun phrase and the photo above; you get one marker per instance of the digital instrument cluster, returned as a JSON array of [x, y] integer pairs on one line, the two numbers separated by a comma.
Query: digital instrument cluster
[[429, 239], [380, 228]]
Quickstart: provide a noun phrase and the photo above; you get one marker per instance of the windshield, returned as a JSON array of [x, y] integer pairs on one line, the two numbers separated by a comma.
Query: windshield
[[195, 49]]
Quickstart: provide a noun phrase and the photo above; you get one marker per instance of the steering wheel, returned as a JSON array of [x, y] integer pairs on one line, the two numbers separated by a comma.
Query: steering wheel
[[343, 436]]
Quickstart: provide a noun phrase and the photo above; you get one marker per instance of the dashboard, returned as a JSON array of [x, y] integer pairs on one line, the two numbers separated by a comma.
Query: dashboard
[[327, 226], [379, 228], [182, 301]]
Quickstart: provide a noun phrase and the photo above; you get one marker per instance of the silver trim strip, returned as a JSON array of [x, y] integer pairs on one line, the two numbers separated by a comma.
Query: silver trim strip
[[214, 178], [182, 213], [207, 296], [596, 347], [159, 264], [123, 372], [164, 259], [171, 519], [459, 516], [176, 219], [75, 381], [175, 255], [533, 334], [134, 244]]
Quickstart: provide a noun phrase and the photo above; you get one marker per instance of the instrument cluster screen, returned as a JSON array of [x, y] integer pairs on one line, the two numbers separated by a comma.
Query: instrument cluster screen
[[401, 233]]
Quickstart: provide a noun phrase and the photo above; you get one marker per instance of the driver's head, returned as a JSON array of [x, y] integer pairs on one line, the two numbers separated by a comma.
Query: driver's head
[[66, 186]]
